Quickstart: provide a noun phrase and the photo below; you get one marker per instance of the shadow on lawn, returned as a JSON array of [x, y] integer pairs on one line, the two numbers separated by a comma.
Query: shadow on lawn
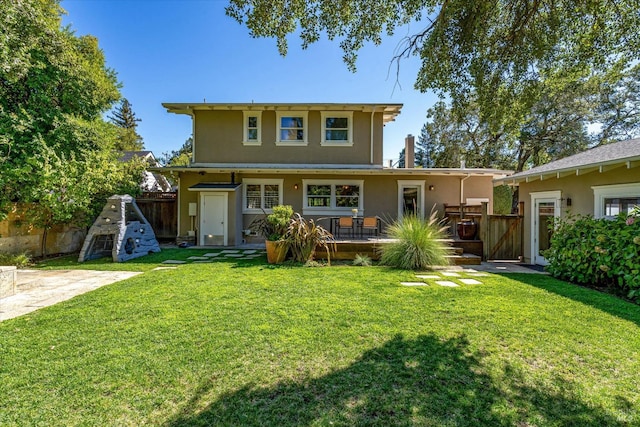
[[425, 381], [599, 300]]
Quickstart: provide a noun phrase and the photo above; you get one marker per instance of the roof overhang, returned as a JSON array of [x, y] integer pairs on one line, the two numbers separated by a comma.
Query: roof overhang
[[390, 111], [333, 170], [214, 186], [601, 167]]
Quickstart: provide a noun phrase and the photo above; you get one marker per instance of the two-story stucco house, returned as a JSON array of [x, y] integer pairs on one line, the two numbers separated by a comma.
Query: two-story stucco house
[[323, 159]]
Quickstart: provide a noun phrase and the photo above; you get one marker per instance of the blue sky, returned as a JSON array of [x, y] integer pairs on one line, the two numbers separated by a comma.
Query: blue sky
[[189, 51]]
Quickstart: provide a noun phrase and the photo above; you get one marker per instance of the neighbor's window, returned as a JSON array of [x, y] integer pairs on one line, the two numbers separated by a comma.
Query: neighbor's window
[[252, 130], [261, 194], [616, 206], [292, 128], [337, 128], [332, 197], [612, 200]]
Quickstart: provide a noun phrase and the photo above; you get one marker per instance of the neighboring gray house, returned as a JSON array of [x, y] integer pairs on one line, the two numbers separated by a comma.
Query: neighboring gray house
[[153, 181], [603, 181]]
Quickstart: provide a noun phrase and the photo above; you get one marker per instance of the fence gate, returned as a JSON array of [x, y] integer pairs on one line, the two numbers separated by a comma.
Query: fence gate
[[503, 235], [161, 211]]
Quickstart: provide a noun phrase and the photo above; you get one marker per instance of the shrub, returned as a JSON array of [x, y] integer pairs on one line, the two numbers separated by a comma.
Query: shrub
[[597, 252], [18, 260], [303, 236], [273, 226], [362, 260], [417, 244]]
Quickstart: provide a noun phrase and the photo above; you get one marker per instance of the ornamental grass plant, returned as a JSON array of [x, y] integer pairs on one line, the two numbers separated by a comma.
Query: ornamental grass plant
[[418, 243]]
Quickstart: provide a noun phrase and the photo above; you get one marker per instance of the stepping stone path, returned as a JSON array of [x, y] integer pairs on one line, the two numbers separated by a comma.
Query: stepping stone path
[[447, 283], [173, 261], [198, 258], [453, 278]]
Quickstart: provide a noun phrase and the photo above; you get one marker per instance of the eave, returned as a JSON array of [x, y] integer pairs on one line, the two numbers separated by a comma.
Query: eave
[[281, 169], [390, 111], [598, 167]]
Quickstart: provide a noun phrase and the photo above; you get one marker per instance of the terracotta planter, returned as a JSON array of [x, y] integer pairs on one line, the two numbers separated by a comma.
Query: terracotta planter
[[276, 251], [467, 229]]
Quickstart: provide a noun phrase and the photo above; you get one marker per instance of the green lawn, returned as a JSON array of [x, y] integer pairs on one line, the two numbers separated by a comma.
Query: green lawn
[[242, 343]]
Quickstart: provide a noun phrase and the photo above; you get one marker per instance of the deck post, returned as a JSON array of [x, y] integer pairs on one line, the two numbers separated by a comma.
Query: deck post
[[484, 231]]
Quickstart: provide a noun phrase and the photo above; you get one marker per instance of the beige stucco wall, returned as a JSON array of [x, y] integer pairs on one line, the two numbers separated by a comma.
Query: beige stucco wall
[[18, 236], [577, 188], [380, 195], [219, 134]]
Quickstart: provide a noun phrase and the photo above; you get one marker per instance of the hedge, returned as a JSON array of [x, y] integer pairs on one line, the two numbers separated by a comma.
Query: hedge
[[597, 252]]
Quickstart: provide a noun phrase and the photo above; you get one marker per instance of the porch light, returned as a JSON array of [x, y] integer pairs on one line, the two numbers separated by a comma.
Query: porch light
[[295, 186], [432, 187]]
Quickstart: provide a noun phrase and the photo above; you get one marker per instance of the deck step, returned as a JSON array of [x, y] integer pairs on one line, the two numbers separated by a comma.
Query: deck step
[[465, 259]]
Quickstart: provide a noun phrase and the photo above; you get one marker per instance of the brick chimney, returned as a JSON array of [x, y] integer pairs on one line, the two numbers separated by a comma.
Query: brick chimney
[[409, 152]]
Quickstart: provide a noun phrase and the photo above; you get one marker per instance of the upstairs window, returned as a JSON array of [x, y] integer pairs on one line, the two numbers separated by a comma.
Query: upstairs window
[[261, 194], [337, 128], [252, 128], [292, 128]]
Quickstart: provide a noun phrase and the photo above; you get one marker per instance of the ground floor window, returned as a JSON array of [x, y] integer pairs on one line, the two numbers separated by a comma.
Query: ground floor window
[[261, 194], [612, 200], [332, 197]]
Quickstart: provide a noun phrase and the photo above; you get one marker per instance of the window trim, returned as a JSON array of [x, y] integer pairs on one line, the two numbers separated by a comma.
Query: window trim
[[333, 209], [324, 115], [305, 128], [602, 192], [262, 182], [245, 127]]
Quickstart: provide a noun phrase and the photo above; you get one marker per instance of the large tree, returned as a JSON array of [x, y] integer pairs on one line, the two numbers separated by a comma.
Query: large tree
[[54, 90], [497, 48], [125, 119]]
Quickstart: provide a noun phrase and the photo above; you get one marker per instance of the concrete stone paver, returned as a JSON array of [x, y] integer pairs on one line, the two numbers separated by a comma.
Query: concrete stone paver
[[413, 284], [38, 288], [447, 284], [470, 281]]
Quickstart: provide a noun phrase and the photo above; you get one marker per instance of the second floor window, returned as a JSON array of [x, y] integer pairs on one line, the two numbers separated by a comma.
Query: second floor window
[[337, 128], [292, 128], [252, 131]]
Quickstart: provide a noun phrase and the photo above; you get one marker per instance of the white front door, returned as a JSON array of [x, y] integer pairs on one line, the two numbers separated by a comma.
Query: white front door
[[546, 207], [213, 219], [410, 199]]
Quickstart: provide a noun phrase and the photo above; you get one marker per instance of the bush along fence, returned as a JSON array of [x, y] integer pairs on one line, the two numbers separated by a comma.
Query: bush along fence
[[598, 252]]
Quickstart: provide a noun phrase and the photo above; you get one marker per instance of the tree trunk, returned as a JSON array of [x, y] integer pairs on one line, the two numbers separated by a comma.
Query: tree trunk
[[43, 244]]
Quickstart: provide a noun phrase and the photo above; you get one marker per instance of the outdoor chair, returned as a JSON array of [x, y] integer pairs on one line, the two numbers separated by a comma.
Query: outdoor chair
[[370, 223], [346, 223]]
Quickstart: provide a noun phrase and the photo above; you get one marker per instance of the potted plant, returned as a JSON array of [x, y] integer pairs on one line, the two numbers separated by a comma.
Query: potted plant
[[273, 227], [304, 236]]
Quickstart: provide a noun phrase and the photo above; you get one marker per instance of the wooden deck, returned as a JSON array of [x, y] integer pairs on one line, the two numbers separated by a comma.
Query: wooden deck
[[348, 249]]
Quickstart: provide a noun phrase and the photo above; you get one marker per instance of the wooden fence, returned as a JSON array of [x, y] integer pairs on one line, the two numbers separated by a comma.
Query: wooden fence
[[501, 235], [161, 210]]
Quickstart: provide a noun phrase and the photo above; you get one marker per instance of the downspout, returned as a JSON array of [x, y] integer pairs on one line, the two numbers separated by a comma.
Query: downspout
[[372, 113], [462, 188], [178, 202], [193, 136]]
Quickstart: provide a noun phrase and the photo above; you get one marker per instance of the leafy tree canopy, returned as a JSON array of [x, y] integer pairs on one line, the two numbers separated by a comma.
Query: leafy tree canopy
[[498, 48], [56, 152]]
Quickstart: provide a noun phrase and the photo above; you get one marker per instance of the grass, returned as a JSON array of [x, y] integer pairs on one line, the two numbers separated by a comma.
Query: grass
[[243, 343]]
